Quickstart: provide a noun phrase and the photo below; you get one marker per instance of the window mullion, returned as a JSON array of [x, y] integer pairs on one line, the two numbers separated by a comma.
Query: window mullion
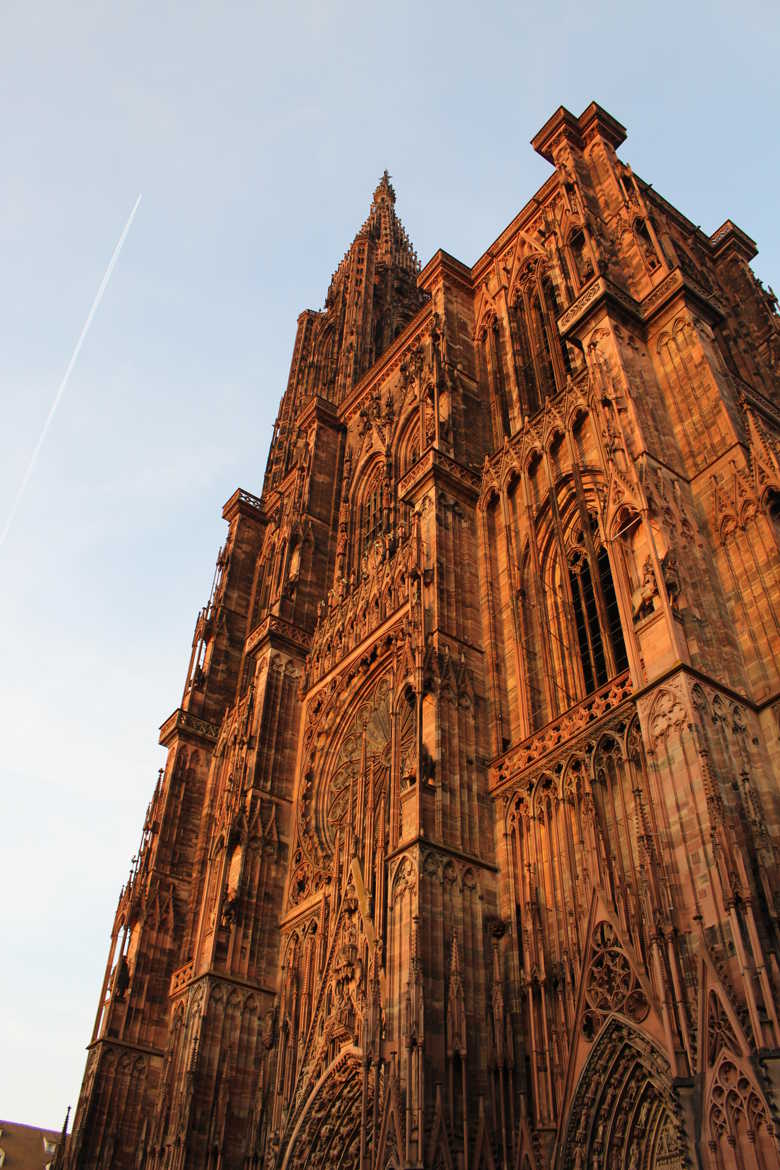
[[587, 611], [603, 616]]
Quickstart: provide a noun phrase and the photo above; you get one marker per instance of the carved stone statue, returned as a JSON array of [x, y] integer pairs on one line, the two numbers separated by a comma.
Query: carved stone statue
[[643, 598], [672, 578]]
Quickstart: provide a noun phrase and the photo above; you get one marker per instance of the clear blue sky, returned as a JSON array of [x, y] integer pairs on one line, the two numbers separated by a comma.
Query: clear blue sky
[[256, 134]]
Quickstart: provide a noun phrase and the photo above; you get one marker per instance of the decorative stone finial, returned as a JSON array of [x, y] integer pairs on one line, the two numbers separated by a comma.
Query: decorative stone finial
[[384, 189]]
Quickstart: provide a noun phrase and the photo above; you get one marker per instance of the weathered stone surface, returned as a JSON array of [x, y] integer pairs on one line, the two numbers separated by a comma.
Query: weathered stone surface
[[466, 851]]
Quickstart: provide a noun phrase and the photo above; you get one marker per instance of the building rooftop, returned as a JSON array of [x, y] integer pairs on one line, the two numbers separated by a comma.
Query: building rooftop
[[27, 1147]]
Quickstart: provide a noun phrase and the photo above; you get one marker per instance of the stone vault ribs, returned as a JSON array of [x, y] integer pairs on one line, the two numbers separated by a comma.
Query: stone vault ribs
[[465, 853]]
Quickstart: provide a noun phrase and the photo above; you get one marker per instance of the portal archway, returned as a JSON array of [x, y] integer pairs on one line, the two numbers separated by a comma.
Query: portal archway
[[326, 1134], [623, 1113]]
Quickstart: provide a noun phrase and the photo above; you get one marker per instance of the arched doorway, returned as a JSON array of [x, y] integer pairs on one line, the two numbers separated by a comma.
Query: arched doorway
[[326, 1131], [623, 1116]]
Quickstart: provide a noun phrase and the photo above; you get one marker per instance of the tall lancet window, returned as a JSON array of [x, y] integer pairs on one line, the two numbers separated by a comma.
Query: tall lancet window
[[492, 360], [370, 519], [542, 358], [602, 651], [542, 355], [526, 374]]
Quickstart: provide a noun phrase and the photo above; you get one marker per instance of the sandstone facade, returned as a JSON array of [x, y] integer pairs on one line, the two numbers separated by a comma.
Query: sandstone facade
[[466, 850]]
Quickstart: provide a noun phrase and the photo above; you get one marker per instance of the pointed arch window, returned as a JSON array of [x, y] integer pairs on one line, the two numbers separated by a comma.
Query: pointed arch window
[[542, 355], [370, 518], [542, 358], [581, 261], [491, 356], [645, 243], [589, 638], [499, 379], [600, 643], [553, 303], [409, 446], [526, 374]]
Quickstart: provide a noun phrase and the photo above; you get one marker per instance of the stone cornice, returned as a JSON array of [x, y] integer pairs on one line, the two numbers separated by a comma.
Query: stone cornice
[[555, 735], [662, 293], [277, 630], [563, 126], [691, 672], [319, 409], [601, 290], [434, 464], [184, 725], [441, 267], [184, 977], [729, 237], [596, 121], [428, 845], [115, 1042], [243, 503], [675, 281]]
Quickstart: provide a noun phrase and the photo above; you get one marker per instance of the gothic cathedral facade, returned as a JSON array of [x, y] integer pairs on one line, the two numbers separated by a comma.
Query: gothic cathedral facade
[[465, 855]]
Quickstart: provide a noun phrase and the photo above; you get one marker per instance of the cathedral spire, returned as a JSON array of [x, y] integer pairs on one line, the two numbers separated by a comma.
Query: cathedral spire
[[385, 228], [372, 296]]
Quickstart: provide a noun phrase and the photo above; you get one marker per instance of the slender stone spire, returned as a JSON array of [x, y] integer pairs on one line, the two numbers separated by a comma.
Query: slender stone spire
[[372, 296]]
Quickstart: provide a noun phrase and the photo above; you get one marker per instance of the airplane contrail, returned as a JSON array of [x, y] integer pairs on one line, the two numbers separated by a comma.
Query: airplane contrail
[[68, 371]]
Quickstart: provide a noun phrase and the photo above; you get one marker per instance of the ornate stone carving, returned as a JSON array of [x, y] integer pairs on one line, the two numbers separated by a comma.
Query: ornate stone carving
[[643, 598], [611, 985]]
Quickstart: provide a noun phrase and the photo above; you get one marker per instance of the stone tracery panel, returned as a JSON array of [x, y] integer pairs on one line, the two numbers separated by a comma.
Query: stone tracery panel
[[611, 985], [574, 841], [344, 791], [366, 747], [741, 1134]]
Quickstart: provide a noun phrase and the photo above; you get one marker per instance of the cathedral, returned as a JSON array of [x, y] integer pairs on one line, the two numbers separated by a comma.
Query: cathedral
[[466, 854]]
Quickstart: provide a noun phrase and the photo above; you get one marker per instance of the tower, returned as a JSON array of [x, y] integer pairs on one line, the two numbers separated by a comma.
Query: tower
[[466, 849]]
